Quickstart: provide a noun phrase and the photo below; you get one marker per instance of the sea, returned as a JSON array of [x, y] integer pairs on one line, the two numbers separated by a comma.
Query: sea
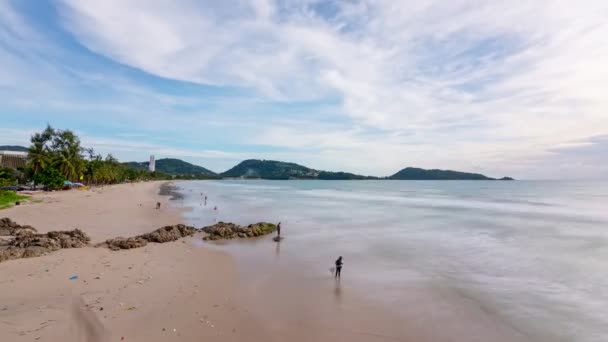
[[531, 254]]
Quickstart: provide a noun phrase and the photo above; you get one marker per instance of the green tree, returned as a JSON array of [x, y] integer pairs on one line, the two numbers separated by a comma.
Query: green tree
[[50, 177], [8, 176], [92, 167], [67, 154], [60, 150], [39, 154]]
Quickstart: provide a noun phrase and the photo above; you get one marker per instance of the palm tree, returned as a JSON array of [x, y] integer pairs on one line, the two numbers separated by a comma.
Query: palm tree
[[67, 156], [39, 156]]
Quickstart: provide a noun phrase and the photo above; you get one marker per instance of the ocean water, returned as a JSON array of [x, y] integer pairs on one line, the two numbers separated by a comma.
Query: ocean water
[[532, 254]]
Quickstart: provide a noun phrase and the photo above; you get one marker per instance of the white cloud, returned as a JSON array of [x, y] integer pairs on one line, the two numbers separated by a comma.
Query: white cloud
[[462, 84], [400, 67]]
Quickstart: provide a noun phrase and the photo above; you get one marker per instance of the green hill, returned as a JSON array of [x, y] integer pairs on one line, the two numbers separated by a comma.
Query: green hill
[[269, 169], [413, 173], [173, 166], [13, 148], [272, 169]]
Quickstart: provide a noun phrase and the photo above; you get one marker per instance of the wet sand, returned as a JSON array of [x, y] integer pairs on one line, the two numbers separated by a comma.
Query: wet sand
[[187, 291]]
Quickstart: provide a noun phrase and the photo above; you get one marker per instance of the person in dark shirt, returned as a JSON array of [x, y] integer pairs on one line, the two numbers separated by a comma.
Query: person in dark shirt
[[279, 229], [338, 267]]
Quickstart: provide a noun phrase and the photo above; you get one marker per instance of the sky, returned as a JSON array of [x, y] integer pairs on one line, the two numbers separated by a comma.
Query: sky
[[517, 88]]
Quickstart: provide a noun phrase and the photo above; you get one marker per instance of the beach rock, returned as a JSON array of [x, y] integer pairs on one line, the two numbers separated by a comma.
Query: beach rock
[[10, 228], [169, 233], [52, 240], [125, 243], [27, 244], [161, 235], [222, 230]]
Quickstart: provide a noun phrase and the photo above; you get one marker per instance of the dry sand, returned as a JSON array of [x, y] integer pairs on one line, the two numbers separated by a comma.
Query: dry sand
[[174, 291], [184, 291]]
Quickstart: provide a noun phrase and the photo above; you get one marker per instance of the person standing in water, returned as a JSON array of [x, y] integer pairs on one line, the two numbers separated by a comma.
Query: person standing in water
[[279, 229], [338, 267]]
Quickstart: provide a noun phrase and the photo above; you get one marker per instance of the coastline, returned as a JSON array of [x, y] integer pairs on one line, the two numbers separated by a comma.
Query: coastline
[[300, 301], [190, 290]]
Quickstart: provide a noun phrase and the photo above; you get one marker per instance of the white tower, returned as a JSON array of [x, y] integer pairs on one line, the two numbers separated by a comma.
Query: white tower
[[152, 165]]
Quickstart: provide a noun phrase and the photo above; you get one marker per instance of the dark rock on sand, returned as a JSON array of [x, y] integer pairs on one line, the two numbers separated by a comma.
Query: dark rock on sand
[[10, 228], [224, 230], [169, 233], [27, 244], [56, 239], [126, 243], [161, 235]]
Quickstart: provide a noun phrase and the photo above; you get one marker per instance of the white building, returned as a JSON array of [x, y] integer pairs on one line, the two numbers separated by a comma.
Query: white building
[[152, 165]]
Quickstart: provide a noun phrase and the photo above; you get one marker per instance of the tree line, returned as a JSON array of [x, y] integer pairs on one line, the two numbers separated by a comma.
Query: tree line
[[56, 156]]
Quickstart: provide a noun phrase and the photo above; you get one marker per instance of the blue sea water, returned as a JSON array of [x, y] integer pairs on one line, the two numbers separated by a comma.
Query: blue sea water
[[532, 253]]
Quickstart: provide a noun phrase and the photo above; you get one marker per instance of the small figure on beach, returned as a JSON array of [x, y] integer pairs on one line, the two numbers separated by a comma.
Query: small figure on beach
[[338, 267], [157, 205], [279, 229], [215, 208], [205, 200]]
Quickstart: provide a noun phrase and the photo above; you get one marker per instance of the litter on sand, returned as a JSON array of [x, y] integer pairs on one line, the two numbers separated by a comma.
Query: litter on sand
[[73, 277]]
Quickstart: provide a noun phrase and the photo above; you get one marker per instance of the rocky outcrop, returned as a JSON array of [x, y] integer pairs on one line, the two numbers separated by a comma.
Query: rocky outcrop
[[224, 230], [125, 243], [27, 244], [24, 242], [161, 235], [10, 228], [169, 233]]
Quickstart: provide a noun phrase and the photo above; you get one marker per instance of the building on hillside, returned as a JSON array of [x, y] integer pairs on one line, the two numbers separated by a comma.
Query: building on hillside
[[13, 159], [152, 165]]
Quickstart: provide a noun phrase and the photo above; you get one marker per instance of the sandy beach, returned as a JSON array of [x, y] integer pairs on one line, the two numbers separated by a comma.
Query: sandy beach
[[163, 292], [178, 291], [186, 291]]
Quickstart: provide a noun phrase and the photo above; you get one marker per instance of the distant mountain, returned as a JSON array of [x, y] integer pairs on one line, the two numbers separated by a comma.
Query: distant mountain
[[272, 169], [269, 169], [13, 148], [413, 173], [173, 166]]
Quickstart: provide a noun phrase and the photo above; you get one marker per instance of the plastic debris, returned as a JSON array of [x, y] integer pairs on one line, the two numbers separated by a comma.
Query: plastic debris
[[74, 277]]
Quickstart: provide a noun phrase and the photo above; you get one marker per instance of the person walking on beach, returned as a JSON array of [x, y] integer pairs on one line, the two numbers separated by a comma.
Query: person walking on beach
[[279, 229], [338, 267], [157, 205]]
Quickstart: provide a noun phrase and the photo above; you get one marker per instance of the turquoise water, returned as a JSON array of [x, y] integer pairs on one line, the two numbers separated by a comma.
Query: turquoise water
[[534, 254]]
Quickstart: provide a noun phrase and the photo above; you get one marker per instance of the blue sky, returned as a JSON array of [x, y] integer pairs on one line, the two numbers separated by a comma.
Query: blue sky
[[367, 86]]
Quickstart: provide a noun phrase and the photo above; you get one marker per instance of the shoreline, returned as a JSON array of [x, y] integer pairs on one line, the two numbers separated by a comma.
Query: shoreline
[[190, 290], [305, 301]]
